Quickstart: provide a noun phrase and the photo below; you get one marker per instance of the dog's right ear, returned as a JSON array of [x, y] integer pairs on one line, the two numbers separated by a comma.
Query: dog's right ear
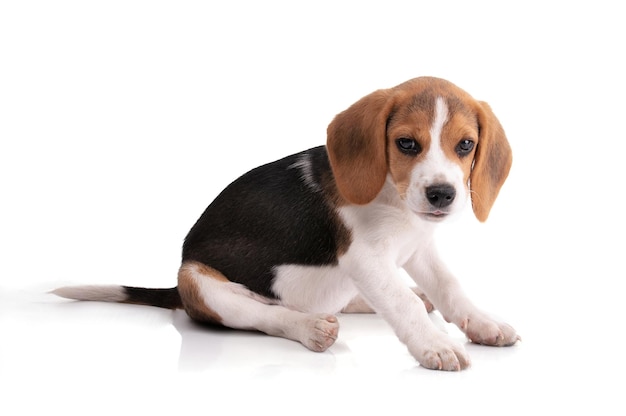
[[356, 147]]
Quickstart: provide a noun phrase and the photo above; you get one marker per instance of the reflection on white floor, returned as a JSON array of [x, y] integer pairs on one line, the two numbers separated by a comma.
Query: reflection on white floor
[[74, 354]]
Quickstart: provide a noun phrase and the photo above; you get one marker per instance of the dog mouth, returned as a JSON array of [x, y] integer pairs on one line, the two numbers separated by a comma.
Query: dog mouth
[[429, 212], [436, 215]]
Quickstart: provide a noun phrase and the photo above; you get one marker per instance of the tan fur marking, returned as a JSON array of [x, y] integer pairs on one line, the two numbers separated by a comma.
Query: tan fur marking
[[190, 293], [460, 126], [407, 123]]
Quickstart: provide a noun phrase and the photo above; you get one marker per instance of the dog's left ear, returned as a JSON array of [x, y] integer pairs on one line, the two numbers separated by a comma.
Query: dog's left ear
[[492, 162], [356, 147]]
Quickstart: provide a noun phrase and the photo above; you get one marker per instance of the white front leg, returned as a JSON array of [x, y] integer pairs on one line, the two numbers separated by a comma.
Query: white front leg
[[378, 282], [446, 294]]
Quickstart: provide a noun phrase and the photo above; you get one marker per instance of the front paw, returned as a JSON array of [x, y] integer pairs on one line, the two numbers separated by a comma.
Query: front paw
[[438, 352], [480, 329]]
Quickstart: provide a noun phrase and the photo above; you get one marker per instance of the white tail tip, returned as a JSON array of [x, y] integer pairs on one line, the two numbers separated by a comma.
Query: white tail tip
[[93, 293]]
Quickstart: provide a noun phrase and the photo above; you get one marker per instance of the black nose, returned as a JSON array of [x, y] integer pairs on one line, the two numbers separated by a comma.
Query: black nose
[[440, 196]]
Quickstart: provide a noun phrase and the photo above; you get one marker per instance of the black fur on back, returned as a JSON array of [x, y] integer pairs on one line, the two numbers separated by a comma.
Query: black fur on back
[[269, 217]]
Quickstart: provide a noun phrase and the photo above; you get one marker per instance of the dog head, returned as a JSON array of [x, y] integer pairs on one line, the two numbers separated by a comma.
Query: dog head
[[430, 138]]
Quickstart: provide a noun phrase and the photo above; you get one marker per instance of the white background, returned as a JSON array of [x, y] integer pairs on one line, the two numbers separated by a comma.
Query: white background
[[121, 120]]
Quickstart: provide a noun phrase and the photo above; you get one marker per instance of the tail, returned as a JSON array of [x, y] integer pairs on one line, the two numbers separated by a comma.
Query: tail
[[162, 298]]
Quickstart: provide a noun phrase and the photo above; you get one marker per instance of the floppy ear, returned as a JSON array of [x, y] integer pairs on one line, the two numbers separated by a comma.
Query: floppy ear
[[492, 162], [356, 147]]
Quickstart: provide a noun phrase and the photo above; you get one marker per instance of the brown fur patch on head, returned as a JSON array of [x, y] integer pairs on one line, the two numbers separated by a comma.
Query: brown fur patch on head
[[462, 125], [411, 120], [190, 292], [413, 117]]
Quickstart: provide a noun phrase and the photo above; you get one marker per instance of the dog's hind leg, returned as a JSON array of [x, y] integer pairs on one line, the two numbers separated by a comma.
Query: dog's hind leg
[[359, 305], [208, 296]]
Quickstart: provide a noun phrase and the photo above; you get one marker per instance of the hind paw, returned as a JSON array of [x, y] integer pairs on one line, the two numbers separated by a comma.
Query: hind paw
[[320, 332]]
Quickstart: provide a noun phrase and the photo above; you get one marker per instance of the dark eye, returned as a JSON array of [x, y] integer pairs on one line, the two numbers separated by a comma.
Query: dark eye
[[464, 147], [408, 146]]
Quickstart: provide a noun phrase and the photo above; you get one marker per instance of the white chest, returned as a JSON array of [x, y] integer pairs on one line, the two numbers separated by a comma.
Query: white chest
[[381, 233]]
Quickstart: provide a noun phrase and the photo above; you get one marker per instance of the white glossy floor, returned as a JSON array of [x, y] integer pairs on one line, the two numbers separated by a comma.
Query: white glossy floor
[[121, 121], [114, 358], [74, 356]]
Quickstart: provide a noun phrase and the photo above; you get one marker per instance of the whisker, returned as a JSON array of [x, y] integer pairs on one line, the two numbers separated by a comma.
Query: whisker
[[474, 195]]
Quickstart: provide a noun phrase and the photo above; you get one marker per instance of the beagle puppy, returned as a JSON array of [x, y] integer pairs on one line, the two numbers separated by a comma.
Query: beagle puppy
[[292, 243]]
